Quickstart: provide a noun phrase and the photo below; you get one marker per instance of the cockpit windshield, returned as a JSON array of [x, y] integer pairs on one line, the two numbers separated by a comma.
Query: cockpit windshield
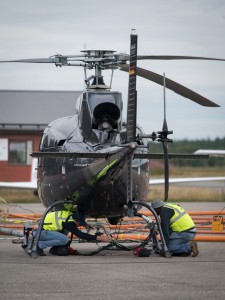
[[106, 109]]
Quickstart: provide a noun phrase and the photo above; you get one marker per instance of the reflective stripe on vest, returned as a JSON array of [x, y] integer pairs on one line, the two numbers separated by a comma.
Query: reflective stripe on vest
[[180, 214], [53, 220], [181, 220], [59, 219]]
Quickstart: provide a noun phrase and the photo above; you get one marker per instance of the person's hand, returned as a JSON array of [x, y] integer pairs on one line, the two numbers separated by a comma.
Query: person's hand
[[89, 227], [104, 238]]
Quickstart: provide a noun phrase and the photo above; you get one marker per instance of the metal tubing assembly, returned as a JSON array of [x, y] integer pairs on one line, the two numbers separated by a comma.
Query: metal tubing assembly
[[32, 249]]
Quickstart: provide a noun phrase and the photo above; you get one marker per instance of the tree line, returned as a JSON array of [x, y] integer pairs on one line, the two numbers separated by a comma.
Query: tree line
[[189, 147]]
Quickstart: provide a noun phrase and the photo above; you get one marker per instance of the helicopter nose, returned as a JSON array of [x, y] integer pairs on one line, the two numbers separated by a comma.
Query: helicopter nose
[[106, 114], [105, 124], [133, 145]]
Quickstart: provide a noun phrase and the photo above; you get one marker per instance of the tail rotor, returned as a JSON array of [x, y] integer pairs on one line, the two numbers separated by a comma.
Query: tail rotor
[[163, 138]]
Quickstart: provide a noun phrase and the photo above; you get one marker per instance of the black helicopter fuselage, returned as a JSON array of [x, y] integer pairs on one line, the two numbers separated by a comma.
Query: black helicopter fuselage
[[98, 185], [107, 165]]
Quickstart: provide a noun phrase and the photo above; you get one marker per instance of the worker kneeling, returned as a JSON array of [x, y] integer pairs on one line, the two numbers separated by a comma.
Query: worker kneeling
[[57, 225], [178, 228]]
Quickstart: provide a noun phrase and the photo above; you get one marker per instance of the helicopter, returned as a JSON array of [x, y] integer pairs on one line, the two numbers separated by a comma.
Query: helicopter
[[93, 158]]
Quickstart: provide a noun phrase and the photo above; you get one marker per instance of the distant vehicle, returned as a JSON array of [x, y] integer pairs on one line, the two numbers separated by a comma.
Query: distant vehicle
[[211, 152]]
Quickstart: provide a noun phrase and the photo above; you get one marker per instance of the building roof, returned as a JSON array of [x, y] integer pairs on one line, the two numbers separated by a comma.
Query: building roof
[[26, 110]]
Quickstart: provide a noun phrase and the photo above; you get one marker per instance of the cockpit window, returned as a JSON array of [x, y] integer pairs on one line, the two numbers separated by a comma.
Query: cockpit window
[[106, 109], [95, 99]]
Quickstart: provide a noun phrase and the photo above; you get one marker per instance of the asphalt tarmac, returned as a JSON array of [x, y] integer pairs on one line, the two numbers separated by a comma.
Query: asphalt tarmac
[[113, 274]]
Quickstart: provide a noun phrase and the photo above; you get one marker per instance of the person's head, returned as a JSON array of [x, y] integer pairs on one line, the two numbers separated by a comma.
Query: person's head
[[157, 204], [79, 217]]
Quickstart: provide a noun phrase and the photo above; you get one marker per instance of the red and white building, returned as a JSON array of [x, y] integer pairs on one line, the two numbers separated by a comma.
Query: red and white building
[[23, 117]]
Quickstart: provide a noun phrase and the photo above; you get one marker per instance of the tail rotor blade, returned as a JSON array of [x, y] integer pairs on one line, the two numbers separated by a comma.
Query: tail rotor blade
[[165, 145], [166, 169], [164, 140], [165, 127]]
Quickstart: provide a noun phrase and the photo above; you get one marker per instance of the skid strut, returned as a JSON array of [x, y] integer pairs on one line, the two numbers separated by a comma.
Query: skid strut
[[159, 248], [31, 244]]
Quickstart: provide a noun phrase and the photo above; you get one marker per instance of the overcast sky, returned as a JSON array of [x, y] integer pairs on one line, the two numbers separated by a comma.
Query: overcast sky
[[32, 29]]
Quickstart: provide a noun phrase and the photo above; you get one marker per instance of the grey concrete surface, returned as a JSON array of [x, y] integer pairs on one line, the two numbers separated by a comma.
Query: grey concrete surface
[[113, 274]]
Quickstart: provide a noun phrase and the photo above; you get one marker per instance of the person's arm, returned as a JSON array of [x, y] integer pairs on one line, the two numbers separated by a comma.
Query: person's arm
[[72, 227], [165, 216]]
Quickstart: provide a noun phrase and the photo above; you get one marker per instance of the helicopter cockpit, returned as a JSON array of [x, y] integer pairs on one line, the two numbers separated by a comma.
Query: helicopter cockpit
[[106, 115], [101, 111], [106, 110]]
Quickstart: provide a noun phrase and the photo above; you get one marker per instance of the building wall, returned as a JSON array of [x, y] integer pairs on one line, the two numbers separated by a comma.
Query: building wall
[[32, 111], [12, 172]]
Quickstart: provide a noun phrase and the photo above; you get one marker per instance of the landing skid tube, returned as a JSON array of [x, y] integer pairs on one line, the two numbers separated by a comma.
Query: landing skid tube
[[30, 242], [158, 247]]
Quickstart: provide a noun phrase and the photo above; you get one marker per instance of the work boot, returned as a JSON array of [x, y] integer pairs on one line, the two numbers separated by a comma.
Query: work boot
[[182, 254], [59, 250], [194, 248], [53, 250], [40, 251], [185, 254]]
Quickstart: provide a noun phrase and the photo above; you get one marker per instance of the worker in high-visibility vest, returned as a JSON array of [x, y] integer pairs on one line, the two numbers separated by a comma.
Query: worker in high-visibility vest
[[56, 226], [178, 228]]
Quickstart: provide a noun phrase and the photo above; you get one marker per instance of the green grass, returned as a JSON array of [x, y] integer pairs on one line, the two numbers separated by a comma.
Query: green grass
[[18, 196], [188, 193], [188, 171]]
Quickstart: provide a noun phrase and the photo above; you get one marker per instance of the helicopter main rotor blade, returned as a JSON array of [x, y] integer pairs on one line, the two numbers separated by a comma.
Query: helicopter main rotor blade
[[71, 155], [132, 92], [34, 60], [131, 115], [172, 85], [170, 156], [176, 57]]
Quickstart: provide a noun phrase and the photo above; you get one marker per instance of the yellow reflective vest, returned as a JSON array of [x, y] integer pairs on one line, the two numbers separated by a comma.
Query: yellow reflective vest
[[181, 220], [53, 220]]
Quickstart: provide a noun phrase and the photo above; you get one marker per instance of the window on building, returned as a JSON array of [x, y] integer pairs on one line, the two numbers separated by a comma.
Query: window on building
[[19, 152]]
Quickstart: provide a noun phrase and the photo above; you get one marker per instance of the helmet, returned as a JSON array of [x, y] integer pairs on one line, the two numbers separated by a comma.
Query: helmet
[[71, 207], [157, 203]]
